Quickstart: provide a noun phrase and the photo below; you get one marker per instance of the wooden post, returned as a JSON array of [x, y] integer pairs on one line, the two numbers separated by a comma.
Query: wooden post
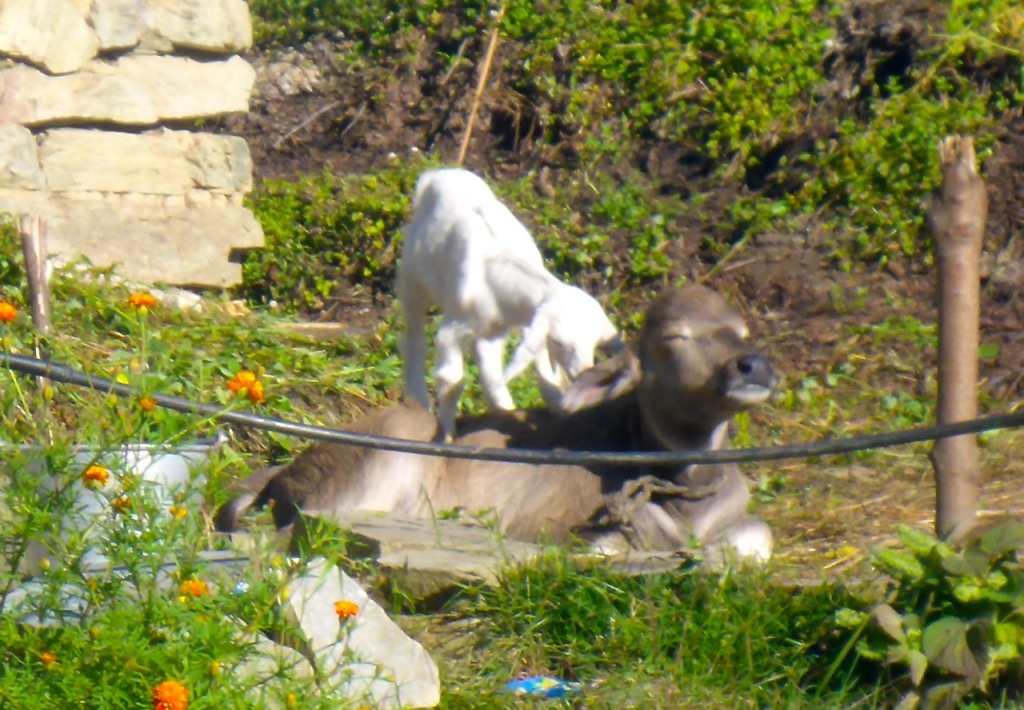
[[956, 219], [33, 244]]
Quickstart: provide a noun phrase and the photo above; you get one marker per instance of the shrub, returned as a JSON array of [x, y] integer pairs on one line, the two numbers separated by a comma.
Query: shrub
[[952, 619]]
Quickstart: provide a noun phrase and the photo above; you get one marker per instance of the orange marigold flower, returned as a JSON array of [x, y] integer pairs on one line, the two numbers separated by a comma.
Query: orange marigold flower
[[255, 393], [242, 381], [170, 695], [194, 588], [147, 404], [122, 504], [345, 609], [142, 300], [47, 658], [178, 511], [96, 476], [7, 312]]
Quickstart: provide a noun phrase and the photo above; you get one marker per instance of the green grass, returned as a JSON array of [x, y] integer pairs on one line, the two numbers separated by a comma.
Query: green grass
[[685, 639]]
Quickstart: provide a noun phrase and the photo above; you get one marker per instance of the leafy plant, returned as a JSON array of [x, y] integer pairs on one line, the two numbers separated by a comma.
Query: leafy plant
[[954, 620], [323, 231]]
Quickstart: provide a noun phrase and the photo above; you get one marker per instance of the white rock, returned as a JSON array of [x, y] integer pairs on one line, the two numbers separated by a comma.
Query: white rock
[[369, 658], [267, 664], [52, 34], [135, 90], [19, 160]]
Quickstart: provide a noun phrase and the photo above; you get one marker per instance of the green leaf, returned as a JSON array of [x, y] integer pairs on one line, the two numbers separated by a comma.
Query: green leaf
[[971, 563], [849, 618], [944, 695], [918, 663], [1007, 632], [1004, 537], [919, 542], [910, 701], [890, 622], [988, 351], [899, 564], [945, 644]]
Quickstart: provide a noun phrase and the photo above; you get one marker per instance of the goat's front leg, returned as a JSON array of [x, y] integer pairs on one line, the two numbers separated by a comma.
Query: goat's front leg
[[490, 356], [450, 374], [532, 347]]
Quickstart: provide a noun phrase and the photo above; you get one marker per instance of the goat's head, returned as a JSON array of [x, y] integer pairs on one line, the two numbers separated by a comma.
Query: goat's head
[[696, 365], [577, 326]]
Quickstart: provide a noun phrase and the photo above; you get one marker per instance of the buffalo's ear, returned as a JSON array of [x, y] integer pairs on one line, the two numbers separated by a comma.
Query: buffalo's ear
[[603, 382]]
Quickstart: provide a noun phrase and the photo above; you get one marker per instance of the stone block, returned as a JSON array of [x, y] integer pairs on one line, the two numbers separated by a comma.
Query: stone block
[[428, 558], [119, 24], [149, 243], [138, 90], [52, 34], [155, 163], [19, 159], [219, 163], [207, 25], [368, 659], [108, 161], [161, 26]]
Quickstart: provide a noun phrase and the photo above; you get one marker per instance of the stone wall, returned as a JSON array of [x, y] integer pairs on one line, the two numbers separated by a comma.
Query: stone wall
[[99, 100]]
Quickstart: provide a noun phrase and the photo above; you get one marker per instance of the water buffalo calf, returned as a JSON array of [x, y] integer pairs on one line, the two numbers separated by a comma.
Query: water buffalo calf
[[675, 388]]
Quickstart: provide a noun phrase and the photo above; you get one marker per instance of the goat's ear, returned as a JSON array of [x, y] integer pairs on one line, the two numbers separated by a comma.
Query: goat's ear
[[603, 382]]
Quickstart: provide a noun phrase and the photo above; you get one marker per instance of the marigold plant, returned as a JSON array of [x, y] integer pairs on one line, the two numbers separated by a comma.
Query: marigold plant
[[96, 476], [345, 609], [7, 312], [194, 588], [122, 504], [142, 300], [255, 393], [241, 381], [170, 695], [178, 511], [245, 383], [48, 658], [147, 404]]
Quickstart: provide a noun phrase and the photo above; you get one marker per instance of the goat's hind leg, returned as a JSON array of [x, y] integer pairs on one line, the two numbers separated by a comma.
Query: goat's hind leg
[[414, 342], [450, 373]]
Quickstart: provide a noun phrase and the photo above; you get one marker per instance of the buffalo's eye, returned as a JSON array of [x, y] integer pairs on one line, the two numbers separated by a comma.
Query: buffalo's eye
[[684, 333]]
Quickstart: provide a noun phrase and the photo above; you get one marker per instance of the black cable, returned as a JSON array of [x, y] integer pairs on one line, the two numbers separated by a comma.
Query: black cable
[[68, 375]]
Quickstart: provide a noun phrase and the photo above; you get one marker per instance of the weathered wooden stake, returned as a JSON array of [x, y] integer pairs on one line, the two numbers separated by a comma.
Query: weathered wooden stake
[[956, 219], [33, 244]]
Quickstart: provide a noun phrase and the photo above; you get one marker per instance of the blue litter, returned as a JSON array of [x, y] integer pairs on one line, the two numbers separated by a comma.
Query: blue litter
[[543, 687]]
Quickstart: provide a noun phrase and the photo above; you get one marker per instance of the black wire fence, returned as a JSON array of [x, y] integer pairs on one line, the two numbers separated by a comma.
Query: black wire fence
[[67, 375]]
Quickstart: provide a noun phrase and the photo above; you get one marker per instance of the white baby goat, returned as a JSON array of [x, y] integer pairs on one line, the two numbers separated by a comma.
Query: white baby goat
[[464, 251]]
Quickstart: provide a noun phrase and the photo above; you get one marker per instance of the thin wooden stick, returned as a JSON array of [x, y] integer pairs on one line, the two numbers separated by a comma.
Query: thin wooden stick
[[33, 244], [481, 84]]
